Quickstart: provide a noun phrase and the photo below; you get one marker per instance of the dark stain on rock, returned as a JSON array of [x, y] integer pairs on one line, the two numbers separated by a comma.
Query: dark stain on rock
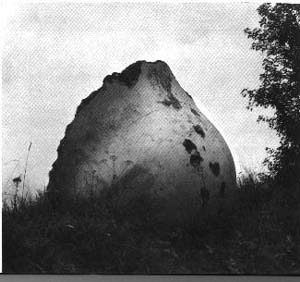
[[132, 173], [222, 189], [195, 159], [199, 130], [189, 145], [204, 196], [215, 168], [203, 147], [191, 148], [110, 78], [129, 76], [195, 112], [137, 177], [171, 101], [161, 74]]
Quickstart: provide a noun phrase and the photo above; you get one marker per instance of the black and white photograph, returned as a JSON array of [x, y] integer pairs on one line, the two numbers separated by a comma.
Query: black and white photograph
[[150, 138]]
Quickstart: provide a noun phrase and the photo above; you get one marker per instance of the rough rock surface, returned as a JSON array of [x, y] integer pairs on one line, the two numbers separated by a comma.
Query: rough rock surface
[[142, 131]]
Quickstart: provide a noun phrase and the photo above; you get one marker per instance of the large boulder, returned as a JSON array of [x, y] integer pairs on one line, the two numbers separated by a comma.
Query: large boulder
[[141, 132]]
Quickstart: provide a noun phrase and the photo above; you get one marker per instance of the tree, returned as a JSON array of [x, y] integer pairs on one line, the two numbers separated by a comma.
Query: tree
[[278, 38]]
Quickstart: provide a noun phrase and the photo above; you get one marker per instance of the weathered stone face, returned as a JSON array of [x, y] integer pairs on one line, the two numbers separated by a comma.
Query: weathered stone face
[[143, 132]]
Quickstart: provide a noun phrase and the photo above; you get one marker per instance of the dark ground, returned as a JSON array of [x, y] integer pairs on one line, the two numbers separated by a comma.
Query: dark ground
[[261, 235]]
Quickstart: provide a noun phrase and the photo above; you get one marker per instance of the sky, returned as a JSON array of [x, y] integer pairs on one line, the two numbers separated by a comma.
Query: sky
[[55, 54]]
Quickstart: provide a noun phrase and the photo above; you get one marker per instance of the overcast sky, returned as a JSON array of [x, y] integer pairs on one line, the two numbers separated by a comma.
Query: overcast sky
[[54, 55]]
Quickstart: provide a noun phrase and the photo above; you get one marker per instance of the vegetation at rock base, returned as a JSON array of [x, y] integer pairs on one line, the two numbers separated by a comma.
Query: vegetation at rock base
[[259, 236]]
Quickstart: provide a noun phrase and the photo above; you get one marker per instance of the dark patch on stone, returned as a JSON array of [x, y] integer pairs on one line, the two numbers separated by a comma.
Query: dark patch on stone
[[191, 148], [204, 196], [110, 78], [199, 130], [195, 112], [129, 76], [215, 168], [189, 145], [132, 173], [222, 189], [203, 147], [161, 74], [138, 177], [195, 159], [171, 101]]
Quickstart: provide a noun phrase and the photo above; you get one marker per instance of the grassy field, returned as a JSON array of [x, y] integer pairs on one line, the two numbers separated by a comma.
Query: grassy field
[[261, 235]]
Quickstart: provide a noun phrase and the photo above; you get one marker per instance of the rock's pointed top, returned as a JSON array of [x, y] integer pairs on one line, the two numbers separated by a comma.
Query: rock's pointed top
[[157, 71], [131, 74]]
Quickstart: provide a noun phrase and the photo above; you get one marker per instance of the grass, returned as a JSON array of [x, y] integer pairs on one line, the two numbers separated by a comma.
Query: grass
[[259, 236]]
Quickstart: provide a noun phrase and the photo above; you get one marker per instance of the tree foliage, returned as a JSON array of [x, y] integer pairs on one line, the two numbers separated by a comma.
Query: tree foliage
[[278, 38]]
